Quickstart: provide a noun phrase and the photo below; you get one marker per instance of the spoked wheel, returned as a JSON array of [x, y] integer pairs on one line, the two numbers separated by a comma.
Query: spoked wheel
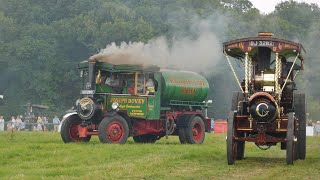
[[231, 144], [113, 130], [69, 130], [146, 138], [194, 131], [300, 110], [290, 152]]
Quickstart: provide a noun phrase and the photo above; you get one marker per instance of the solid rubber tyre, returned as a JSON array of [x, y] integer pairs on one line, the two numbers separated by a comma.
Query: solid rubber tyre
[[231, 144], [290, 151], [300, 113], [182, 120], [240, 150], [69, 130], [195, 130], [113, 130]]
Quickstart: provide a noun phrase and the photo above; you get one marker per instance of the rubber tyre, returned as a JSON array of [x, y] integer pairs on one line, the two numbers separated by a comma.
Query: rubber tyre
[[182, 121], [290, 151], [300, 110], [195, 130], [231, 145], [146, 138], [113, 130], [240, 150], [69, 130]]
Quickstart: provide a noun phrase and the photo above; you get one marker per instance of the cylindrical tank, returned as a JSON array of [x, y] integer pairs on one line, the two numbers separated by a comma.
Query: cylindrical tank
[[183, 86]]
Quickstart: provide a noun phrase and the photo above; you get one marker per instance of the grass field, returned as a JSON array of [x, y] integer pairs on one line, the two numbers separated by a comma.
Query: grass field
[[43, 155]]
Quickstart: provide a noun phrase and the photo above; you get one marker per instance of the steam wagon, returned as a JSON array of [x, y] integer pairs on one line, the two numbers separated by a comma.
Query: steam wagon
[[266, 110], [115, 104]]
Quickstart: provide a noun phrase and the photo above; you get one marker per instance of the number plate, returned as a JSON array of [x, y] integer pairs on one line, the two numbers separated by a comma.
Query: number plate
[[87, 91], [261, 43]]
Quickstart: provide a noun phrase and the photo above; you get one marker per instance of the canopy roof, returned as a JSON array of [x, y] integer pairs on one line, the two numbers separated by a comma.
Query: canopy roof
[[237, 48]]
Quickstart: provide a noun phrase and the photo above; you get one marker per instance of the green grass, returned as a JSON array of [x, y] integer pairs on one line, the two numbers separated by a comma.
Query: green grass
[[43, 155]]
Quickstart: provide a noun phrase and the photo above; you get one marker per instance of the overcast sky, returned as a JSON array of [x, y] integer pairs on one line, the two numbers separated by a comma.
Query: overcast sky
[[267, 6]]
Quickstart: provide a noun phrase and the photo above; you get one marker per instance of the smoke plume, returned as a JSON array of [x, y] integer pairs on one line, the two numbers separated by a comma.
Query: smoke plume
[[199, 53]]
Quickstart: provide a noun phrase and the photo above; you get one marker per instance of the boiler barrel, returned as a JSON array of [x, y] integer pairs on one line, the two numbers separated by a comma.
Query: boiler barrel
[[183, 86]]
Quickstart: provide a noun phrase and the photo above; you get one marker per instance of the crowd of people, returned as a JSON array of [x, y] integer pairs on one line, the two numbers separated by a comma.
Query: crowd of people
[[30, 123], [316, 127]]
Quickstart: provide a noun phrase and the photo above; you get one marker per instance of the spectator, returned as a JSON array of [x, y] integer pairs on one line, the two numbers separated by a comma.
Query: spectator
[[22, 126], [39, 124], [56, 123], [9, 126], [13, 123], [18, 123], [1, 123], [27, 124], [45, 122], [317, 128], [310, 123]]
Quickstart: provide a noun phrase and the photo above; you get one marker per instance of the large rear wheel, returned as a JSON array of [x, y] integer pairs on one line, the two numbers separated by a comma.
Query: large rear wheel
[[69, 130], [194, 130], [113, 130], [300, 110], [231, 144], [290, 151]]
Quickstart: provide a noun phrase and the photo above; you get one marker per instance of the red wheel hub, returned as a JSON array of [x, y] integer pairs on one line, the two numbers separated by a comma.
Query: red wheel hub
[[197, 131], [74, 133], [115, 131]]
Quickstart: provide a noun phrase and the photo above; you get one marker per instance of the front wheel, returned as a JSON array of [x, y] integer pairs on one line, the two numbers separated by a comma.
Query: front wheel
[[113, 130], [69, 130]]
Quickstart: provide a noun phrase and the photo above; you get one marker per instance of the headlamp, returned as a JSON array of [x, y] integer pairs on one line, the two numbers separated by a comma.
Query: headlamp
[[115, 105]]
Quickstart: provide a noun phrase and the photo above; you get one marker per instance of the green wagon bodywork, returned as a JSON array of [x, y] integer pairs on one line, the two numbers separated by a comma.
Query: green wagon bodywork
[[183, 86], [142, 101], [174, 88]]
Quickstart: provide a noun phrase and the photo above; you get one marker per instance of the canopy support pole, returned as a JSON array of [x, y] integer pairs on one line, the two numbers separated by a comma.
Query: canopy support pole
[[277, 77], [285, 82], [246, 73], [233, 71]]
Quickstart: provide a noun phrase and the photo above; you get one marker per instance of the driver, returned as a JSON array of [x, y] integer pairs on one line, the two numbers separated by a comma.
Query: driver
[[114, 82]]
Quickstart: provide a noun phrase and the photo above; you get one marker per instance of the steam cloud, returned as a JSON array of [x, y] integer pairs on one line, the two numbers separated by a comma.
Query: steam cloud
[[198, 54], [200, 51]]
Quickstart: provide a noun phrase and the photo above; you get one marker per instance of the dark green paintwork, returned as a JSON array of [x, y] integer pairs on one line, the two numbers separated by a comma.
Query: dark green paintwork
[[174, 89], [183, 86], [136, 106]]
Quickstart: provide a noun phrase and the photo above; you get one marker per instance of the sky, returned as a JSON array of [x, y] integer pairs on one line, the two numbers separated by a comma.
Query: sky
[[267, 6]]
